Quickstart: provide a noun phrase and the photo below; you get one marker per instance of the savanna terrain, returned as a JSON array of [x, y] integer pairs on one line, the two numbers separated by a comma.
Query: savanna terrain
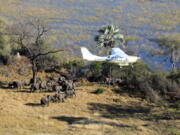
[[151, 31], [112, 112]]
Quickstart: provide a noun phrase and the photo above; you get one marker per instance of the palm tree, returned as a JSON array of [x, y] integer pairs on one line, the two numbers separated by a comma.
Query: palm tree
[[109, 36]]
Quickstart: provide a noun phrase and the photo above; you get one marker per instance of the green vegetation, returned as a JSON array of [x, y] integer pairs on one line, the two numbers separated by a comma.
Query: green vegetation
[[175, 76], [96, 70], [74, 63], [171, 45], [5, 47], [99, 91], [51, 61], [109, 37], [138, 79], [74, 67]]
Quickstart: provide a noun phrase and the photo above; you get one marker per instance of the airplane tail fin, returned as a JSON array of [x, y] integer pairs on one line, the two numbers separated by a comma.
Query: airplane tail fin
[[86, 54]]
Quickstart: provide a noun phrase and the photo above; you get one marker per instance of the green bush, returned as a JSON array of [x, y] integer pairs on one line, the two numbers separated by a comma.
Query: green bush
[[139, 79], [95, 71], [175, 76], [142, 81], [133, 75], [110, 69], [5, 47], [160, 83], [74, 63], [74, 67], [100, 70], [50, 61], [99, 91]]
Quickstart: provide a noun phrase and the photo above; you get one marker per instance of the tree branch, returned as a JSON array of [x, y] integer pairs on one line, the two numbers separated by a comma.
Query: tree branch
[[46, 53]]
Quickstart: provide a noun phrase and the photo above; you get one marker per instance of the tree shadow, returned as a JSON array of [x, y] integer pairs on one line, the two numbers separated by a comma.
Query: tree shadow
[[5, 87], [132, 111], [87, 121], [69, 120], [164, 116], [24, 90], [119, 91], [33, 104], [118, 111], [28, 90], [125, 91], [174, 105]]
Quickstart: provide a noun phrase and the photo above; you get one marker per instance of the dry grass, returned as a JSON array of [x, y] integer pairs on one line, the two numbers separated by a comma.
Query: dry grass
[[20, 113], [85, 114], [112, 112]]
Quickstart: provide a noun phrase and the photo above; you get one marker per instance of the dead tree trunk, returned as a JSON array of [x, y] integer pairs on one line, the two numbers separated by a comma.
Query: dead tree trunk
[[34, 69], [172, 60], [34, 73]]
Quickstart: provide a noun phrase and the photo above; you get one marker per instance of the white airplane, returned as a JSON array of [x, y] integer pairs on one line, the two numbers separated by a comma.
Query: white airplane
[[117, 56]]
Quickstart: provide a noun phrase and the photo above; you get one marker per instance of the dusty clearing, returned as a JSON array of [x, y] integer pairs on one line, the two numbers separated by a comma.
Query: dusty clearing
[[85, 114]]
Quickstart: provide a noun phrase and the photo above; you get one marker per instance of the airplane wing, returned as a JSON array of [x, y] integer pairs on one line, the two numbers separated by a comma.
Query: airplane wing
[[118, 52], [120, 57], [120, 63]]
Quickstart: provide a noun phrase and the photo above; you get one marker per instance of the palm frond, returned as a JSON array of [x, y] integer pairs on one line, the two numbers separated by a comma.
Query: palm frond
[[108, 36]]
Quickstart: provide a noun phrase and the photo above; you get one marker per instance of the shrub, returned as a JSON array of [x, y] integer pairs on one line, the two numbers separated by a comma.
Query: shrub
[[138, 79], [133, 76], [101, 70], [110, 69], [142, 81], [148, 93], [95, 71], [175, 76], [99, 91], [74, 67], [50, 61], [160, 83], [5, 49], [74, 63]]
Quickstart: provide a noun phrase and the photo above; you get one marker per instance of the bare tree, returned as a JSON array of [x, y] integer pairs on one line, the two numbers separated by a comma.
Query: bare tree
[[30, 36]]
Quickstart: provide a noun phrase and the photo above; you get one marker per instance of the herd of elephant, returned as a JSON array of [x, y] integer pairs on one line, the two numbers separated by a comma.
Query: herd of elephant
[[63, 88], [53, 84], [57, 97]]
